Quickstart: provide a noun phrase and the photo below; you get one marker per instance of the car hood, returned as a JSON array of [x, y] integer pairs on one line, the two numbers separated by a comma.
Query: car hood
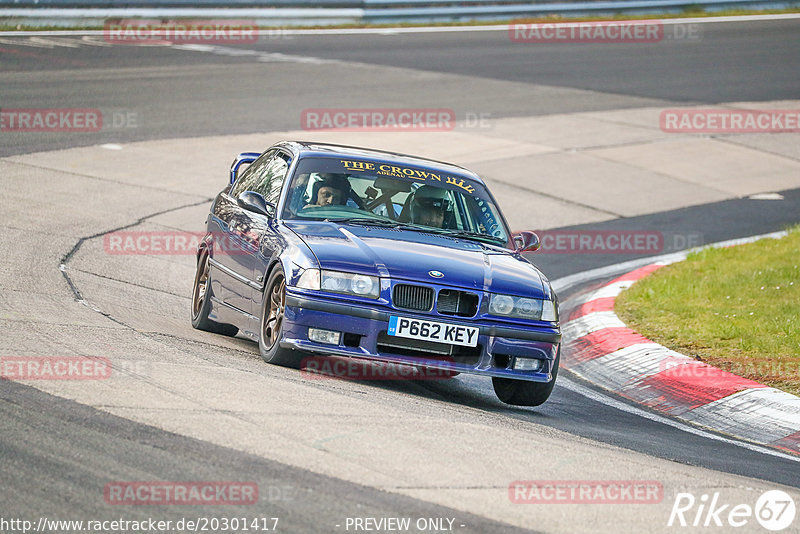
[[410, 255]]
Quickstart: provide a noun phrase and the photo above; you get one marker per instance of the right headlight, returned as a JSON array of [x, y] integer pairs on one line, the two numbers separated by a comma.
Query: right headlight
[[340, 282], [522, 308]]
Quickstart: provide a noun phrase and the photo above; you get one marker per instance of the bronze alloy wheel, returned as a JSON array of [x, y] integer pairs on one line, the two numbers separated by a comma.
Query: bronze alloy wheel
[[200, 285], [273, 313], [201, 301], [274, 318]]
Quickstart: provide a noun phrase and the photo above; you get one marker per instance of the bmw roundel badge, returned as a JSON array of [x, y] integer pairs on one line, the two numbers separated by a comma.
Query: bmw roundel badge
[[436, 274]]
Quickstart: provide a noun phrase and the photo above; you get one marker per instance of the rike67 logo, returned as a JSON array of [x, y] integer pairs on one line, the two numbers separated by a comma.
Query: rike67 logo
[[774, 510]]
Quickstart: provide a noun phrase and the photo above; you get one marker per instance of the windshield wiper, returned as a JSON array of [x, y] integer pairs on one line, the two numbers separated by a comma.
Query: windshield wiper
[[365, 221], [389, 223], [474, 235]]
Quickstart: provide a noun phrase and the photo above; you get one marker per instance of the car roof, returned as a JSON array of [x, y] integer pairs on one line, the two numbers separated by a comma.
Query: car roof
[[308, 148]]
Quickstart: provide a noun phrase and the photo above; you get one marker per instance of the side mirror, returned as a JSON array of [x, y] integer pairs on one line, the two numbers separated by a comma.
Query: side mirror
[[526, 241], [242, 159], [252, 201]]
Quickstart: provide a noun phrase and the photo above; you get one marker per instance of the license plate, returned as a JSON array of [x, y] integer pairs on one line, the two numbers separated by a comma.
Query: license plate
[[452, 334]]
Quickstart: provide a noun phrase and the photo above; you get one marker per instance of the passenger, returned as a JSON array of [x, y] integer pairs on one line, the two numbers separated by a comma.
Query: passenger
[[332, 189], [429, 205]]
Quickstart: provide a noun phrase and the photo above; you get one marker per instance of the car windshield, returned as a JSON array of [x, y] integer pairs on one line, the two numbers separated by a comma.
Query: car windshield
[[370, 192]]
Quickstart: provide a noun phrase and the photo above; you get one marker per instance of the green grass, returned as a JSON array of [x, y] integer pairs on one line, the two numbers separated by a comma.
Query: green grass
[[690, 12], [735, 308]]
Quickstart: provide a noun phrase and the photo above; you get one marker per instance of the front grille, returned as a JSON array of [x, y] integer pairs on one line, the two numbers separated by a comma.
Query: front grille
[[461, 303], [412, 347], [410, 297], [430, 350]]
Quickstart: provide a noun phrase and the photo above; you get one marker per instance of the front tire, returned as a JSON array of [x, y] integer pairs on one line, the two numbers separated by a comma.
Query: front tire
[[201, 301], [273, 310], [523, 392]]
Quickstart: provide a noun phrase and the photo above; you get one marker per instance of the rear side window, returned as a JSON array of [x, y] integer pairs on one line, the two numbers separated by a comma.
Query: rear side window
[[270, 179], [265, 176], [250, 176]]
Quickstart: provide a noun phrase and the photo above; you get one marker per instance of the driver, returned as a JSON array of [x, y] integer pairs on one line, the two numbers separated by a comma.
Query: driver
[[429, 205], [332, 189]]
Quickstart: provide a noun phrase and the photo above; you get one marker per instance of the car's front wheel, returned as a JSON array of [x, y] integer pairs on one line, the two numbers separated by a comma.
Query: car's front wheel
[[273, 309], [201, 301], [523, 392]]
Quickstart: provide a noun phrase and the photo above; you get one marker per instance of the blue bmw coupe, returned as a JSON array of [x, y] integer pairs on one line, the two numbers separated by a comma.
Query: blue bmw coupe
[[349, 252]]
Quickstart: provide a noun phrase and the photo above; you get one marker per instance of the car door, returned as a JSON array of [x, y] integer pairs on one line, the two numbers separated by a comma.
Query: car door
[[262, 235], [232, 242]]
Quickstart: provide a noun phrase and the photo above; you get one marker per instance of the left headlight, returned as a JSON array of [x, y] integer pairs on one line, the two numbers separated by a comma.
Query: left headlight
[[338, 282], [522, 308]]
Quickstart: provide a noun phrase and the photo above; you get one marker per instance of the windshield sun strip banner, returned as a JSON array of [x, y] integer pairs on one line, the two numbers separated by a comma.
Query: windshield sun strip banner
[[399, 171]]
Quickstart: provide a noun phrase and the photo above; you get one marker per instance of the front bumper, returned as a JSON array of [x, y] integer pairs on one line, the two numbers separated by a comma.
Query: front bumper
[[364, 336]]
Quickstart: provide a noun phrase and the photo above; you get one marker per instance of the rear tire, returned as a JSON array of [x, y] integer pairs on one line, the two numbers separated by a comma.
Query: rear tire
[[273, 308], [523, 392], [201, 301]]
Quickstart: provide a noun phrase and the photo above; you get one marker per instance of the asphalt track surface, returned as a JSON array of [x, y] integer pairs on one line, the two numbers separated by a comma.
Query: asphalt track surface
[[178, 94], [57, 454]]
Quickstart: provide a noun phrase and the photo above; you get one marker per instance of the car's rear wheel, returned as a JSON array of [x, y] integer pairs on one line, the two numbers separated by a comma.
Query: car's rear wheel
[[201, 301], [523, 392], [273, 309]]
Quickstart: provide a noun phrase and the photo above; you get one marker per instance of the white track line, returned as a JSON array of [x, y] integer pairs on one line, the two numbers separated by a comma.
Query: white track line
[[619, 405], [427, 29]]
